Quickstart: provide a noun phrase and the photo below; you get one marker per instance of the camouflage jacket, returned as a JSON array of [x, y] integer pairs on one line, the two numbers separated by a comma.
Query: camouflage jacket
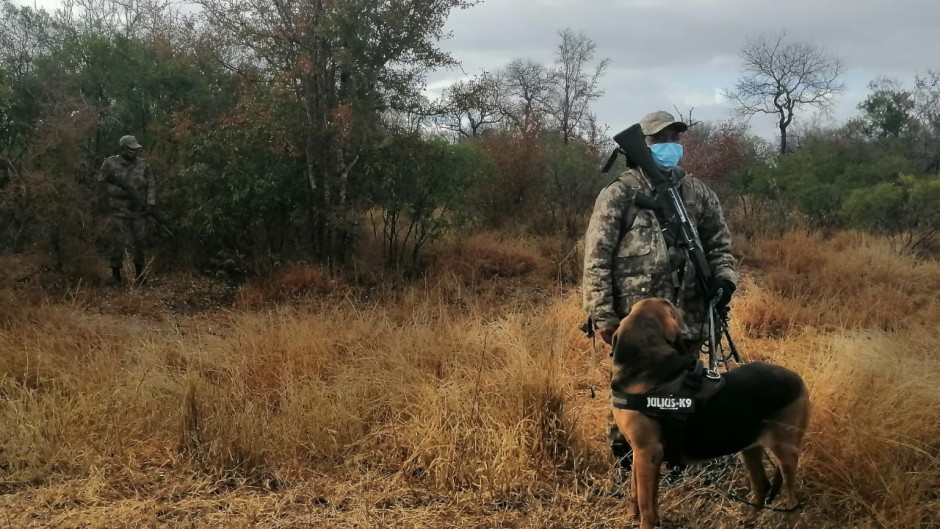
[[625, 262], [120, 181]]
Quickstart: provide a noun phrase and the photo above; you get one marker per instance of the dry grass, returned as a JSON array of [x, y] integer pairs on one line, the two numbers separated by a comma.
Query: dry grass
[[285, 284], [487, 257], [459, 401], [852, 281]]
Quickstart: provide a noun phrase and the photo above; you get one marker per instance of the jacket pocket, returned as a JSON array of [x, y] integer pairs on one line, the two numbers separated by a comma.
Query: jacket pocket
[[630, 288], [638, 240]]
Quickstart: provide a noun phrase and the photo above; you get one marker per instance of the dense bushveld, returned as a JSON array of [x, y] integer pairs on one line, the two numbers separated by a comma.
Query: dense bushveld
[[466, 399]]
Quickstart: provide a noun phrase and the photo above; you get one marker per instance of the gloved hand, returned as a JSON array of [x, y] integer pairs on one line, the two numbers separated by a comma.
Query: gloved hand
[[727, 289]]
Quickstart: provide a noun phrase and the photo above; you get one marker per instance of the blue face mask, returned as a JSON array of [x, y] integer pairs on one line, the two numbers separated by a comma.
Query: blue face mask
[[667, 155]]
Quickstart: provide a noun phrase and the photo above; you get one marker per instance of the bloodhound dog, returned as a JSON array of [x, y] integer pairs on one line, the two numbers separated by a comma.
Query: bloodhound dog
[[758, 406]]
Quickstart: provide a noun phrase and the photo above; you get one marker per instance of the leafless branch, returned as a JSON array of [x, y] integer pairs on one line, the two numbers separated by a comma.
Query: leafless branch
[[780, 76]]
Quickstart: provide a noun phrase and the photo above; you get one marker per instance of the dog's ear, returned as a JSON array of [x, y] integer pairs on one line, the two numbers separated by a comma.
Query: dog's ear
[[614, 340], [620, 344], [671, 319]]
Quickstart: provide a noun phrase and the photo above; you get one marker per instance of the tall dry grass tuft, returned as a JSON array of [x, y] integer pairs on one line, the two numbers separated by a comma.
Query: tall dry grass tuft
[[472, 403], [566, 257], [75, 399], [874, 440], [190, 443], [859, 322], [487, 257], [47, 346], [497, 419], [285, 284], [851, 281]]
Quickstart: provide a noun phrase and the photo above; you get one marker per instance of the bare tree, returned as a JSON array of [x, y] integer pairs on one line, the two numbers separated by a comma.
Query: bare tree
[[524, 90], [469, 107], [687, 120], [526, 96], [128, 18], [781, 76], [575, 83]]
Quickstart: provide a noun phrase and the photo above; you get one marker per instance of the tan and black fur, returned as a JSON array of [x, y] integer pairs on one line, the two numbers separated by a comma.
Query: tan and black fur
[[760, 407]]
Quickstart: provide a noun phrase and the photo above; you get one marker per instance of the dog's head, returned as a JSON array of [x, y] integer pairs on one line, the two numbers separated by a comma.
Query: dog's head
[[649, 336], [650, 319]]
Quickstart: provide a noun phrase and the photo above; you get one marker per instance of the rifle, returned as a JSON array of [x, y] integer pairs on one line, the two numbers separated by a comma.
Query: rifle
[[632, 144], [139, 202]]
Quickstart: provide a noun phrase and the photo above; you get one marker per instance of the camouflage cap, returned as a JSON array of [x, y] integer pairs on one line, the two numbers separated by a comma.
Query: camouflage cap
[[655, 122], [129, 141]]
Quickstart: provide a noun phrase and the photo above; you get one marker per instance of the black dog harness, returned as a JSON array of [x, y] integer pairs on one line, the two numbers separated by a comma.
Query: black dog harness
[[673, 403]]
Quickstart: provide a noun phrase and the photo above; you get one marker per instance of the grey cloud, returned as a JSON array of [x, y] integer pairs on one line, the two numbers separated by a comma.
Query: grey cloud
[[875, 33], [696, 43]]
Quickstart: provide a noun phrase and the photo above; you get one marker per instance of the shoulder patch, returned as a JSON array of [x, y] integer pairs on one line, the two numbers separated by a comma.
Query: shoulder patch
[[631, 179]]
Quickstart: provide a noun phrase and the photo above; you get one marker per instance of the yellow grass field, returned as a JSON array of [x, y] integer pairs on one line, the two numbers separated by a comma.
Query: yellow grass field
[[460, 400]]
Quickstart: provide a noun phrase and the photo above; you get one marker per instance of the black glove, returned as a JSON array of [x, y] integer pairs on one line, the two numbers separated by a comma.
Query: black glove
[[727, 289]]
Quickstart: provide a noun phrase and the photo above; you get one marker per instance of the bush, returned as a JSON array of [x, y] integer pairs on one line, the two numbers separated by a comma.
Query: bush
[[419, 187], [818, 178], [907, 210]]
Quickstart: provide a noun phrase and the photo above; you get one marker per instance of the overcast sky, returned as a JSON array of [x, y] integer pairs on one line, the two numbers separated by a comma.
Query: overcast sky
[[681, 53]]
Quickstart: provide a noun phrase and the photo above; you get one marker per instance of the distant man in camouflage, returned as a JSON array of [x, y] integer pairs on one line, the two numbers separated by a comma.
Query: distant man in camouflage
[[630, 255], [127, 191]]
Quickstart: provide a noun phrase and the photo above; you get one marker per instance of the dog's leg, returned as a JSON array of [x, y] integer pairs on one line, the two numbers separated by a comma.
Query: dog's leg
[[786, 449], [785, 444], [788, 456], [753, 459], [634, 506], [646, 462]]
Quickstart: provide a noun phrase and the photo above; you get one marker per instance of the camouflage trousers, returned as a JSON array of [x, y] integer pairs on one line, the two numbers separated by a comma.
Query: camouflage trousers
[[127, 233]]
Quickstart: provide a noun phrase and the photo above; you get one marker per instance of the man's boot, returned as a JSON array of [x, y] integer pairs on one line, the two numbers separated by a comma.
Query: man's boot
[[139, 273], [116, 275]]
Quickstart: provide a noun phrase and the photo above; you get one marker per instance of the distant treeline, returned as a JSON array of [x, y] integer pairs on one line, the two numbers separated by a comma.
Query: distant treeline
[[298, 131]]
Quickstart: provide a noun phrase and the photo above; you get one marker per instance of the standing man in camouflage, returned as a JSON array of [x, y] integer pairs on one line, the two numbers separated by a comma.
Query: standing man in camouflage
[[630, 254], [127, 192]]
